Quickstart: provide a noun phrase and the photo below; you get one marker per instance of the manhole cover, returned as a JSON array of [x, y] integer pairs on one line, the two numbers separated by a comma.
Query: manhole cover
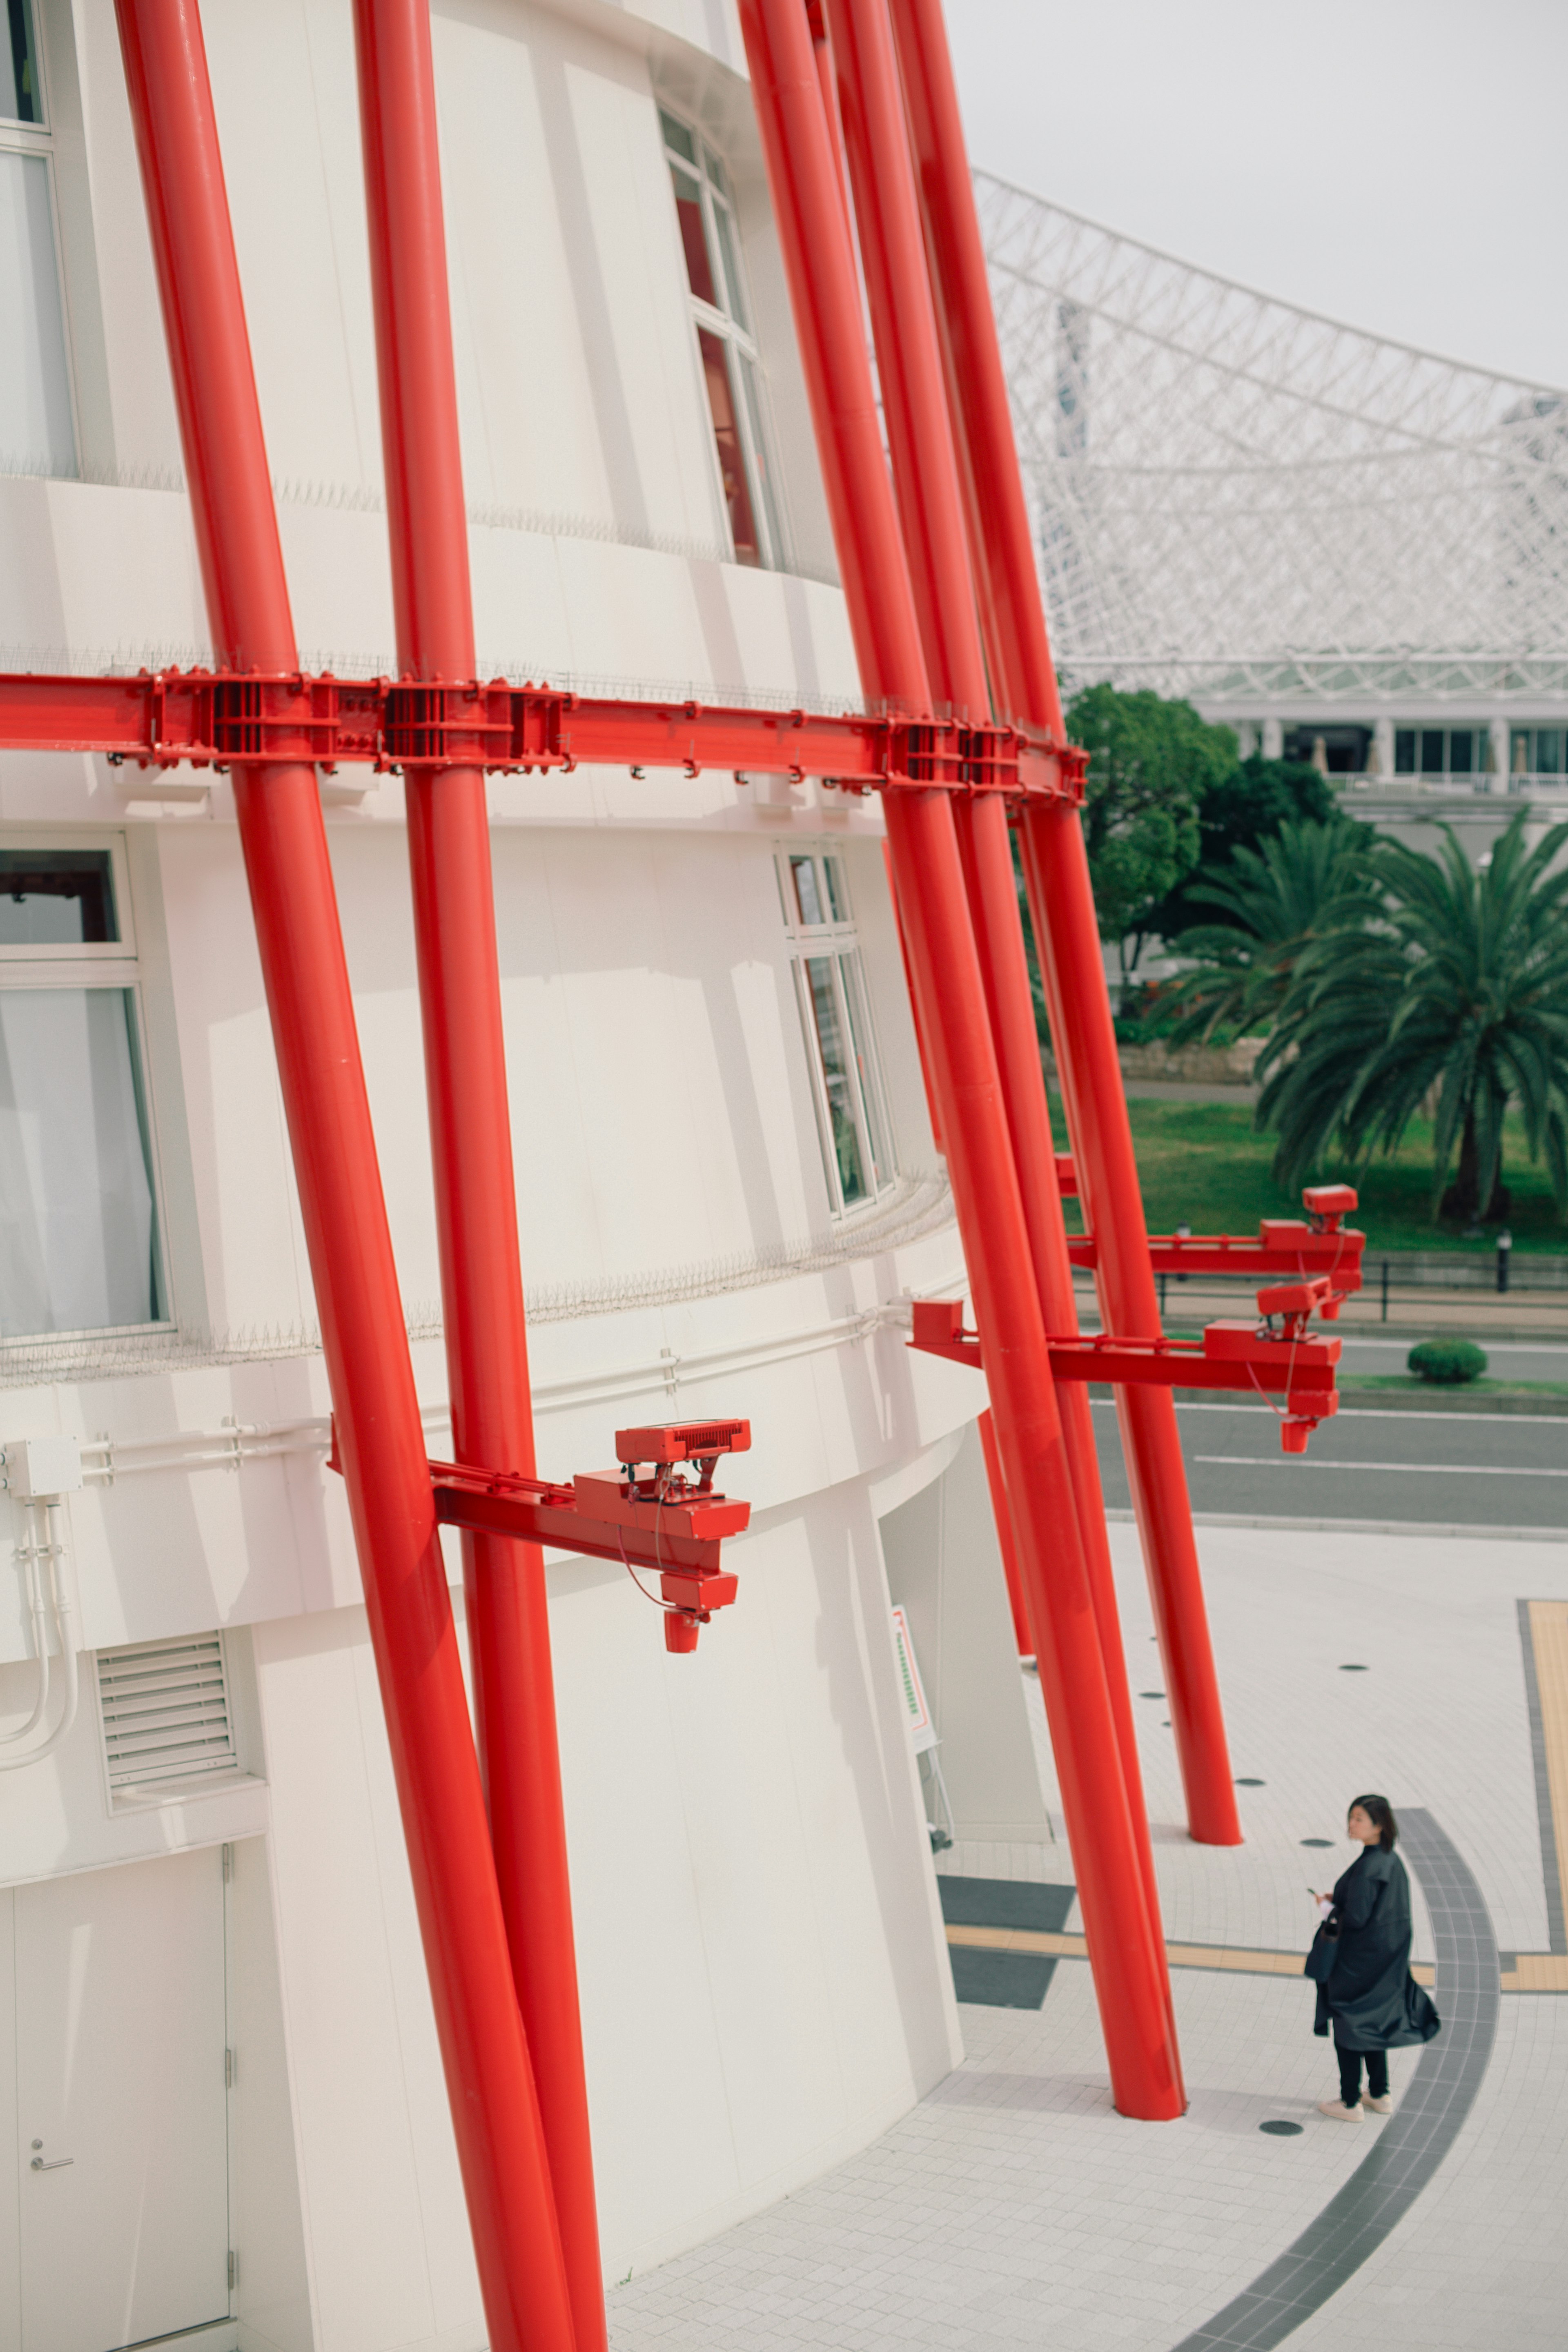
[[1252, 1784], [1279, 2128], [1151, 1694], [1317, 1841], [1354, 1670]]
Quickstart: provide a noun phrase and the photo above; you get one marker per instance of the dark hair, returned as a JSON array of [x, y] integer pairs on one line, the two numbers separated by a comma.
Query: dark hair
[[1381, 1812]]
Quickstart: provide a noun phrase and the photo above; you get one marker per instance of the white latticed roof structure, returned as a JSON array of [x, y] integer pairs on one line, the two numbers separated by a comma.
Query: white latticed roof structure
[[1235, 498]]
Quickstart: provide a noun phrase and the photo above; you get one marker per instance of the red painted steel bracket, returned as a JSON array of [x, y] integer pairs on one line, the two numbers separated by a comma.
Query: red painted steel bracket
[[223, 718], [1322, 1244], [666, 1522], [1283, 1360]]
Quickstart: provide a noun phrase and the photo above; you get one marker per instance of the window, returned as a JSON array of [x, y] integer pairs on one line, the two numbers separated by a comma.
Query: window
[[36, 432], [1435, 752], [728, 355], [836, 1015], [79, 1239], [1537, 751]]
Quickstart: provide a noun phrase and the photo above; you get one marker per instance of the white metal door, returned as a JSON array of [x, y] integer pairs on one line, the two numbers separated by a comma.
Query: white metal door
[[121, 2107]]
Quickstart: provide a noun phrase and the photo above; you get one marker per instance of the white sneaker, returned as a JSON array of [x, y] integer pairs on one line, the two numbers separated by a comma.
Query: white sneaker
[[1383, 2107], [1340, 2112]]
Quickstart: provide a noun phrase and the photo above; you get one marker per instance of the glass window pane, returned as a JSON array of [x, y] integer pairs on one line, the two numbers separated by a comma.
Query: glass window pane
[[731, 457], [833, 1055], [693, 236], [1431, 751], [837, 889], [866, 1069], [1405, 750], [762, 468], [37, 435], [76, 1194], [677, 135], [808, 897], [56, 898], [1548, 751], [1461, 752], [20, 98], [724, 229]]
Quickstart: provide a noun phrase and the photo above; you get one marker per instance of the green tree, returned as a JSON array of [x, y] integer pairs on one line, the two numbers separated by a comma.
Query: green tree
[[1455, 990], [1151, 764], [1271, 903], [1242, 810]]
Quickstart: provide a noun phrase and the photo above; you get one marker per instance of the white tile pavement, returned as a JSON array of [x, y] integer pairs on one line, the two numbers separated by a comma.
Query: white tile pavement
[[1013, 2208]]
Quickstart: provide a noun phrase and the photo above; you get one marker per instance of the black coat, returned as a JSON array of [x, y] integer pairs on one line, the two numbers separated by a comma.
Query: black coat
[[1369, 1996]]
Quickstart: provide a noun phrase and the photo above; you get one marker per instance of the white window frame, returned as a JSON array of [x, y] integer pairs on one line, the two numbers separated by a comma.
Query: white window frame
[[98, 964], [757, 440], [19, 138], [836, 941]]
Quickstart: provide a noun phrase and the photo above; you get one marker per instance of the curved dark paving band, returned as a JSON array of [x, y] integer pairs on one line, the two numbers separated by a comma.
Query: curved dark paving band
[[1410, 2147]]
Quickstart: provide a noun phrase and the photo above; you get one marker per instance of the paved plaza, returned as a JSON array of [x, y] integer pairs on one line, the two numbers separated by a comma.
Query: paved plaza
[[1013, 2208]]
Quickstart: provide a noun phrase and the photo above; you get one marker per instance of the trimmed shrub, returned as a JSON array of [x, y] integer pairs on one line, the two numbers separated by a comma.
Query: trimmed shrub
[[1449, 1362]]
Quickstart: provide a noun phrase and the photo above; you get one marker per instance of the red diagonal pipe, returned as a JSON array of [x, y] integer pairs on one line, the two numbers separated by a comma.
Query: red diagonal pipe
[[819, 266], [381, 1443], [931, 512], [470, 1124], [1062, 905]]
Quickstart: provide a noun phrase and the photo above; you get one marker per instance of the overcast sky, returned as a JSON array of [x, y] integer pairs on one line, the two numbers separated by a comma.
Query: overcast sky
[[1401, 164]]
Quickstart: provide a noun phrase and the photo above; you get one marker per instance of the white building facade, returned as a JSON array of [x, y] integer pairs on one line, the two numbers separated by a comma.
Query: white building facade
[[221, 2104]]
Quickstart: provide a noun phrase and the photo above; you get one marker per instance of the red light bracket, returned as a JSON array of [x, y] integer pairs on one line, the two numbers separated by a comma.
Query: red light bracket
[[670, 1524]]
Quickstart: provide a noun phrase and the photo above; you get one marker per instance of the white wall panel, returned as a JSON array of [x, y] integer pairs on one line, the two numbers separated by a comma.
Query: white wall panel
[[272, 2297], [358, 2106], [764, 1980]]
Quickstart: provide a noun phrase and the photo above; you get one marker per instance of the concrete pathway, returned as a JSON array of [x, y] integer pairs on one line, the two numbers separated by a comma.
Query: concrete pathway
[[1013, 2208]]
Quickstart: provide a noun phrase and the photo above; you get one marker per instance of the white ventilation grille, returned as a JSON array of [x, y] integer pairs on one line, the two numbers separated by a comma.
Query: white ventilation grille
[[165, 1712]]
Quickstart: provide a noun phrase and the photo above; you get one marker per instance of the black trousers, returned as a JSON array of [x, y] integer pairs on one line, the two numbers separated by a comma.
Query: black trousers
[[1350, 2073]]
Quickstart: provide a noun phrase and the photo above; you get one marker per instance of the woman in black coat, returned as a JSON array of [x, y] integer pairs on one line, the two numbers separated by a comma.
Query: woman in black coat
[[1361, 1962]]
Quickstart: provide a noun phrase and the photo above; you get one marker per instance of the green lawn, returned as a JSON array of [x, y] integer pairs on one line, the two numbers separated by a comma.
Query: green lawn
[[1203, 1162]]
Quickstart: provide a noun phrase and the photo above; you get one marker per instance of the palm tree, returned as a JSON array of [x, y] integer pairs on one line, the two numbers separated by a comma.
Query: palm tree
[[1301, 882], [1455, 990]]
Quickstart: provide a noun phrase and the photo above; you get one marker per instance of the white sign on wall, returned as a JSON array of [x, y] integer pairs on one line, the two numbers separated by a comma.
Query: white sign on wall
[[922, 1730]]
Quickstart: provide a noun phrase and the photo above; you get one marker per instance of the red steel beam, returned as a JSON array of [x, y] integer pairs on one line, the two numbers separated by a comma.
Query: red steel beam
[[465, 1080], [1230, 1355], [381, 1443], [1062, 905], [1283, 1249], [234, 719], [1006, 1542], [819, 267], [931, 512]]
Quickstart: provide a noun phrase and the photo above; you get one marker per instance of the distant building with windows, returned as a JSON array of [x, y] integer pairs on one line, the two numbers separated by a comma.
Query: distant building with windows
[[1353, 552]]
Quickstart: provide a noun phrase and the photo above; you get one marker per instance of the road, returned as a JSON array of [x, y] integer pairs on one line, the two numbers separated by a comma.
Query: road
[[1486, 1470]]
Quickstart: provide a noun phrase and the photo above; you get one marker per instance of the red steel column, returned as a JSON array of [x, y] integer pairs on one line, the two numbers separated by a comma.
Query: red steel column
[[1057, 870], [380, 1441], [1006, 1543], [471, 1124], [813, 235], [930, 511]]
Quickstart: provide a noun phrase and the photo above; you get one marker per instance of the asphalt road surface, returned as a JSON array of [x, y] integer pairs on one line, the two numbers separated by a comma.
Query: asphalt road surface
[[1484, 1470]]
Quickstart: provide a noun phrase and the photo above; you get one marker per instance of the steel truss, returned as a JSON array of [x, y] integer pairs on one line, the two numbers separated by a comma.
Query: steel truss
[[1235, 498], [965, 738]]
